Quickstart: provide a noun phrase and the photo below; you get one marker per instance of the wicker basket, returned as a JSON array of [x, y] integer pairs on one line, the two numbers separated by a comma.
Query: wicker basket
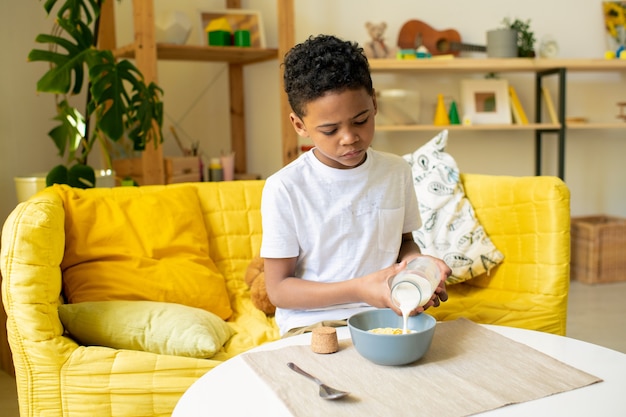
[[598, 249]]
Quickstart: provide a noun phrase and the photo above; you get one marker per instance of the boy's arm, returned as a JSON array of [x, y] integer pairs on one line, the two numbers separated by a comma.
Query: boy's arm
[[408, 248], [287, 291]]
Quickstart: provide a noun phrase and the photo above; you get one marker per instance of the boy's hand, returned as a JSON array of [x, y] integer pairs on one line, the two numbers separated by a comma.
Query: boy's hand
[[440, 295], [375, 289]]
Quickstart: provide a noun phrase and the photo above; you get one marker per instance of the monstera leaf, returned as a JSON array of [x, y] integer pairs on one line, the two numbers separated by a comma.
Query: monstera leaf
[[117, 110], [147, 111], [70, 131], [109, 94], [58, 79], [74, 9]]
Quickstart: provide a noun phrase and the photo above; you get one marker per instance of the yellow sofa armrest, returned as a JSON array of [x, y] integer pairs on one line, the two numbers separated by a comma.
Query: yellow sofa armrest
[[55, 375]]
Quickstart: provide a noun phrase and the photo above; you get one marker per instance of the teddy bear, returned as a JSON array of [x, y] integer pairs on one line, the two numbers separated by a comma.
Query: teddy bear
[[376, 47], [255, 278]]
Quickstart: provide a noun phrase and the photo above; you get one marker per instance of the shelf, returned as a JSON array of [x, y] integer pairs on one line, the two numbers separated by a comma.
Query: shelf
[[228, 54], [417, 128], [494, 65], [537, 68], [147, 53], [608, 125]]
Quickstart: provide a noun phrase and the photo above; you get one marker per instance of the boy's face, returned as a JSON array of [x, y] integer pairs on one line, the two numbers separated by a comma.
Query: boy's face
[[341, 126]]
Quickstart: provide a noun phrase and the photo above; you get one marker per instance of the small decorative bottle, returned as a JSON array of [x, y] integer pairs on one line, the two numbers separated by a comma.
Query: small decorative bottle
[[215, 170]]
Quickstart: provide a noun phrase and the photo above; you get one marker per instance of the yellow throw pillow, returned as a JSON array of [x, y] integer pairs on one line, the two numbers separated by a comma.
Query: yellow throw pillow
[[162, 328], [147, 243]]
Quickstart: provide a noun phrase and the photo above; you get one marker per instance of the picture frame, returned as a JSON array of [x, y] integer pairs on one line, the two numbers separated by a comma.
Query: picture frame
[[486, 101], [614, 14], [238, 19]]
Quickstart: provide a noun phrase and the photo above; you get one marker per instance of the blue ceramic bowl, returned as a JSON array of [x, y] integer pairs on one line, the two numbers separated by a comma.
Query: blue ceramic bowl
[[391, 349]]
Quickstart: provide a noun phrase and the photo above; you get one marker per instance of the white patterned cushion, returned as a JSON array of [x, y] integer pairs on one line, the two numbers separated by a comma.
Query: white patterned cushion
[[450, 230]]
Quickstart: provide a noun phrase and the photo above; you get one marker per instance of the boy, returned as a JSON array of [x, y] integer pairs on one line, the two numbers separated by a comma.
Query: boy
[[338, 221]]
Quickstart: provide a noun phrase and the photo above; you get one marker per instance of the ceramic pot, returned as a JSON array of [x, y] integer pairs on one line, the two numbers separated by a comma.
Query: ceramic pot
[[502, 43], [28, 186]]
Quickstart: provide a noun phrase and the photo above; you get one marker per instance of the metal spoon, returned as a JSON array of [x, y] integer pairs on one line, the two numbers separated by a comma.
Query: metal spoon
[[326, 392]]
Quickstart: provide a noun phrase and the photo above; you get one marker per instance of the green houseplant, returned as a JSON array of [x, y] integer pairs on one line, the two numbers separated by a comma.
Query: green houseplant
[[525, 37], [118, 101]]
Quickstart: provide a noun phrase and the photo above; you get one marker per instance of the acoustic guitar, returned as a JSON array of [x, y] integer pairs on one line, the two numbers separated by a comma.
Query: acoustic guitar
[[416, 33]]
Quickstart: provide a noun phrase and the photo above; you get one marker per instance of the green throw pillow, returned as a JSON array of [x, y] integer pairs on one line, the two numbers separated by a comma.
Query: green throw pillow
[[157, 327]]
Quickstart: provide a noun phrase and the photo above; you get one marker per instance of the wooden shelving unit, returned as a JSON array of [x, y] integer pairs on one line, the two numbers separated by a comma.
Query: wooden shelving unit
[[229, 54], [428, 128], [541, 68], [146, 53], [418, 67], [494, 65]]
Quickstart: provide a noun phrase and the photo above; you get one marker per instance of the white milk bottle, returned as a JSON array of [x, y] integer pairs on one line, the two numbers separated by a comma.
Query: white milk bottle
[[414, 286]]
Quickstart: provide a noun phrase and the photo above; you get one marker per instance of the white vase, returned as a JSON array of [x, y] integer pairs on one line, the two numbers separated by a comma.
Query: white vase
[[172, 27], [28, 186]]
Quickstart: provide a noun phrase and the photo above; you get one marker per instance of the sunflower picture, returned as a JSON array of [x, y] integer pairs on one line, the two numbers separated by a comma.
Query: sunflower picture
[[615, 23]]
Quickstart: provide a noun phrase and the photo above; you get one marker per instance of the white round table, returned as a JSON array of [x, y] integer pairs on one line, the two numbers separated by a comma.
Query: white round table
[[235, 389]]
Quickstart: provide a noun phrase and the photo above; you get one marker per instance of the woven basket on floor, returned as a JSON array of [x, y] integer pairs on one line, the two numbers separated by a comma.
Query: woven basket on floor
[[598, 249]]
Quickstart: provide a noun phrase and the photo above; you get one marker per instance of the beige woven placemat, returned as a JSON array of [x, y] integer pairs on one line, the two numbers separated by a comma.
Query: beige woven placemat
[[467, 370]]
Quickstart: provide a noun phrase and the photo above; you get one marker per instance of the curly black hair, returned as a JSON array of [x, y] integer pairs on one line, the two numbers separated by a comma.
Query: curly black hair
[[321, 64]]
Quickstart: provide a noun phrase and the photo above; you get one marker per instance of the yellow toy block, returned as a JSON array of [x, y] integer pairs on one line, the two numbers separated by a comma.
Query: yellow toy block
[[220, 24]]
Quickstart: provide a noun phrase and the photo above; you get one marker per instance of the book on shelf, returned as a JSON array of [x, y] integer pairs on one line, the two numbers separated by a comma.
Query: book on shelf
[[549, 105], [519, 115], [515, 113]]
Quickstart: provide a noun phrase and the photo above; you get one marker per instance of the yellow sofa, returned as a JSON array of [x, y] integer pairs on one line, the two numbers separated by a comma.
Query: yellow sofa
[[527, 218]]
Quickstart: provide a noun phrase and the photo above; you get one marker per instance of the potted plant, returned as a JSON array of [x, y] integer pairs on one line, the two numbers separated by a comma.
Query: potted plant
[[118, 101], [525, 37]]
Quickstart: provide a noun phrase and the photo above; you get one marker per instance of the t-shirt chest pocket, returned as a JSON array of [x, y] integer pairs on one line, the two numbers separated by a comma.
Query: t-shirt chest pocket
[[390, 223], [381, 226]]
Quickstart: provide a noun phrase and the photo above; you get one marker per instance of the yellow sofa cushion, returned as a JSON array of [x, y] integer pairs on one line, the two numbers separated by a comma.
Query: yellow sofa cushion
[[163, 328], [139, 244]]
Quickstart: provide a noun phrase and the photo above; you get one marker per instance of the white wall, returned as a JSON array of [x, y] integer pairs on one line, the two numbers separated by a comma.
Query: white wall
[[24, 116], [196, 100]]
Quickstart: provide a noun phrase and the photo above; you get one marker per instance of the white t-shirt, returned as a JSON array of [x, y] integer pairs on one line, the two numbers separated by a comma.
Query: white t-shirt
[[339, 223]]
